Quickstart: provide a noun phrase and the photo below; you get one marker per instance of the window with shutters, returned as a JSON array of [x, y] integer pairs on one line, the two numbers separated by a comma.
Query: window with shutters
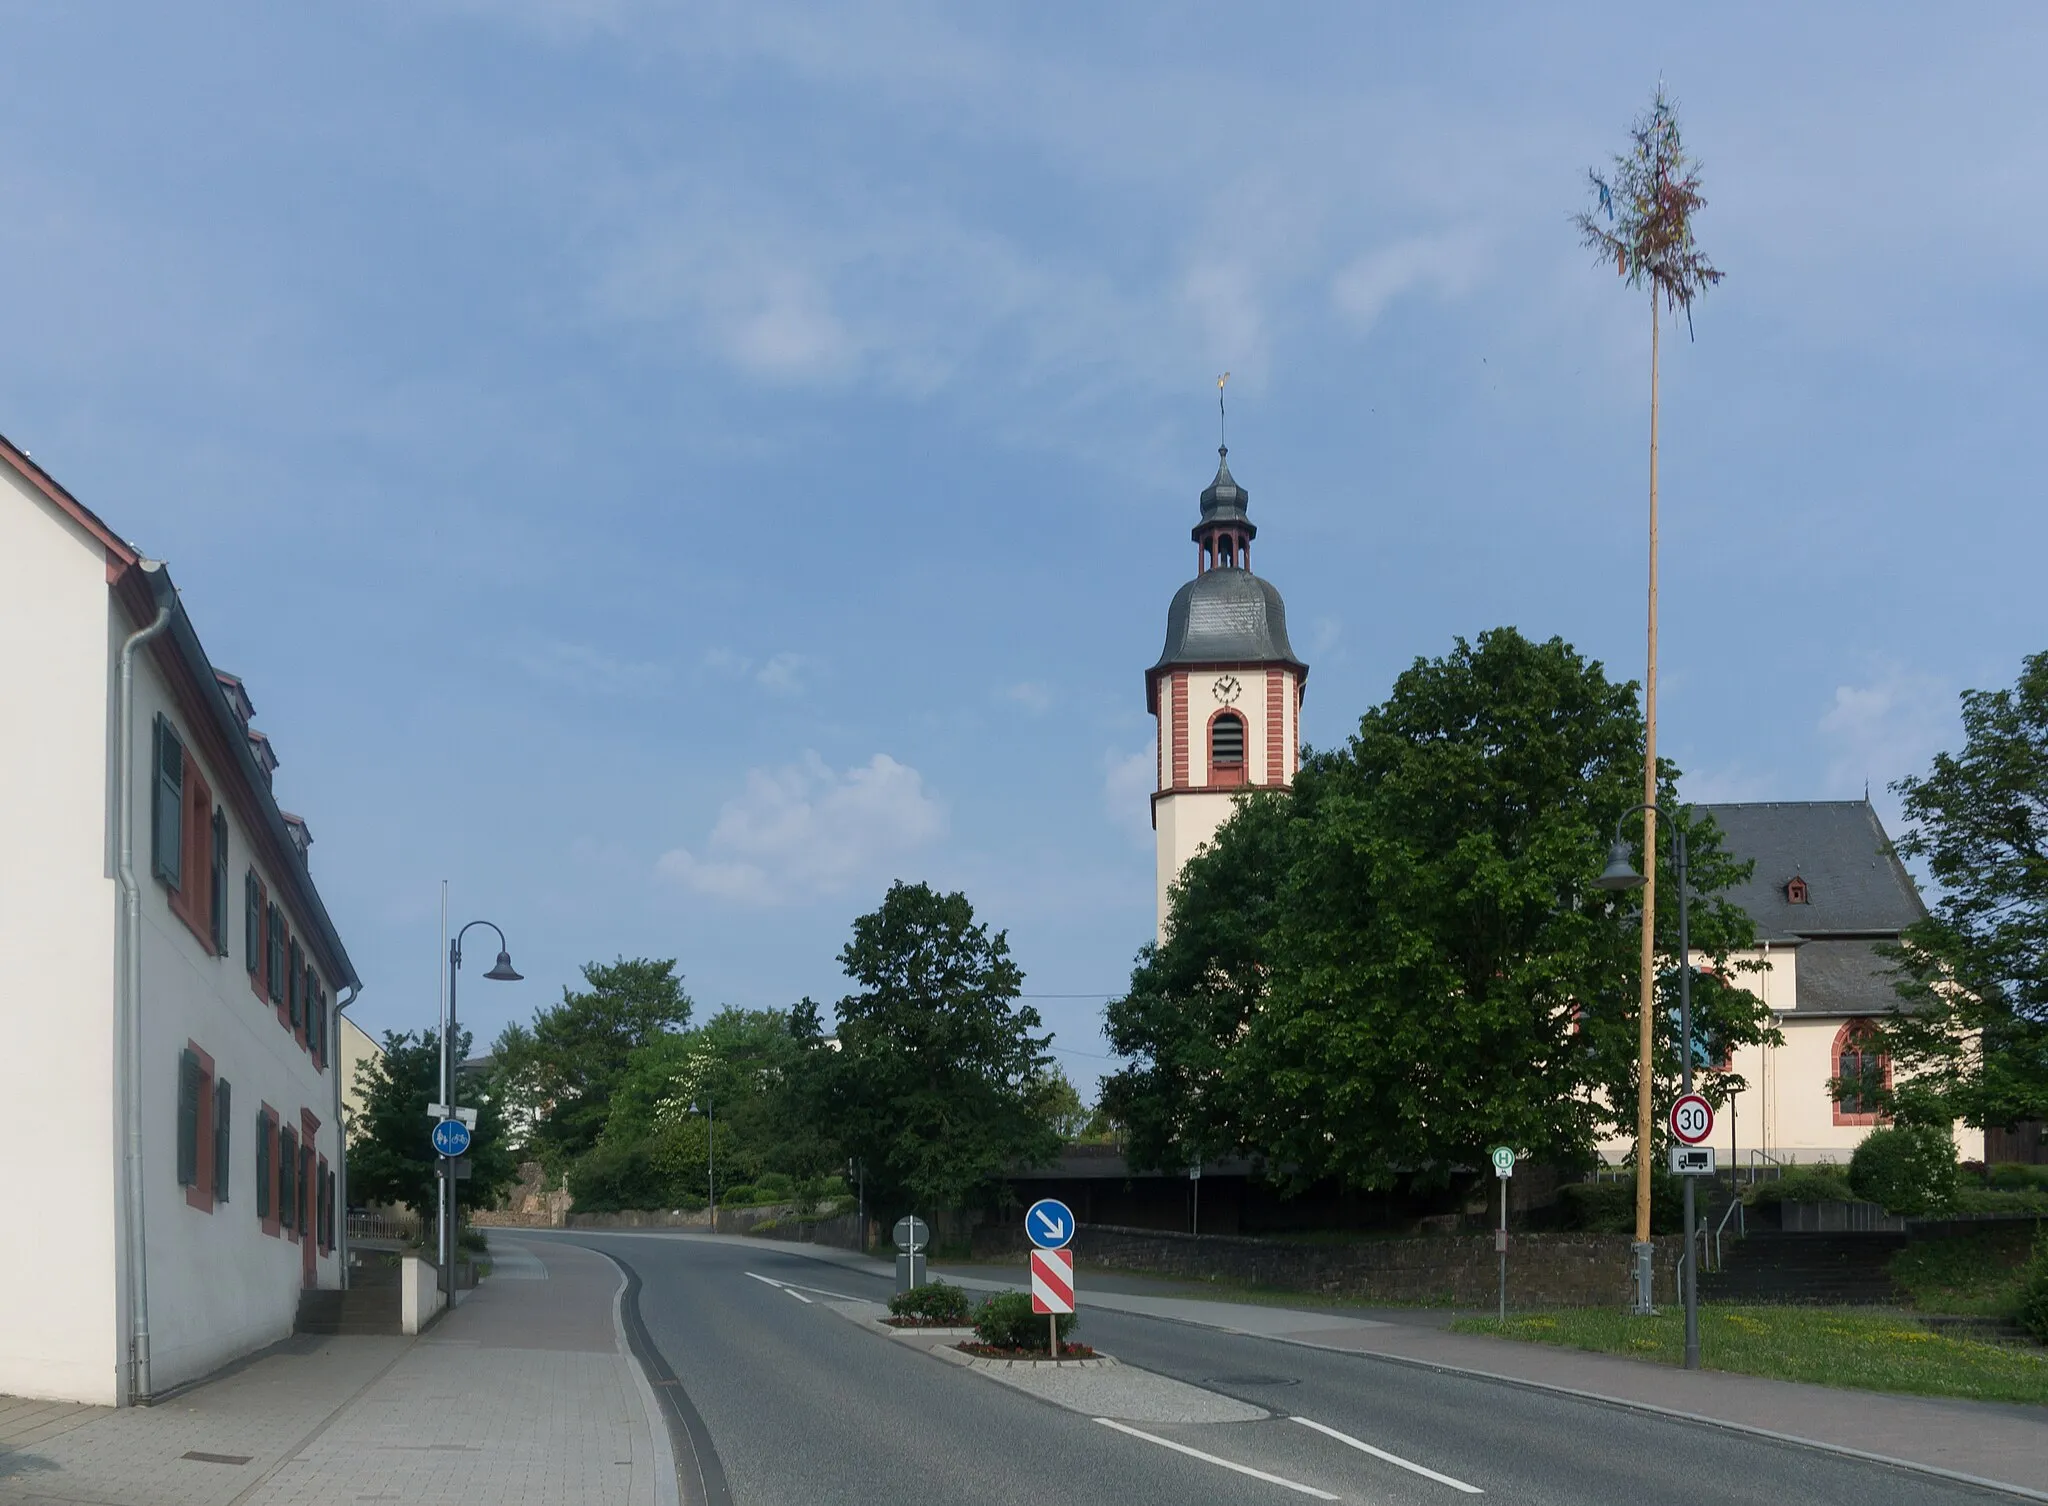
[[295, 989], [198, 1165], [288, 1179], [266, 1175], [219, 908], [325, 1216], [167, 805], [276, 953], [223, 1105], [307, 1203], [189, 1085], [254, 929]]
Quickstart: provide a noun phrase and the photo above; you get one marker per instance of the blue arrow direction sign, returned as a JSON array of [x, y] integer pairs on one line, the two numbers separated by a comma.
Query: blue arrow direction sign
[[1050, 1224], [451, 1137]]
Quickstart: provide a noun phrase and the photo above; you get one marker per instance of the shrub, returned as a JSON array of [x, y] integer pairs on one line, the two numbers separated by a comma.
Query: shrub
[[1610, 1207], [611, 1177], [2000, 1200], [739, 1195], [1803, 1184], [2016, 1176], [773, 1187], [1006, 1321], [2033, 1313], [933, 1302], [1909, 1169]]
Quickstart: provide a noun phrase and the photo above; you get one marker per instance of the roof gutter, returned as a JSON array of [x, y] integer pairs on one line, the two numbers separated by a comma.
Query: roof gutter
[[128, 1047]]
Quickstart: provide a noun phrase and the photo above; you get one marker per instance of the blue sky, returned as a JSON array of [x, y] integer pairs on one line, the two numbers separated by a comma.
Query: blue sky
[[668, 470]]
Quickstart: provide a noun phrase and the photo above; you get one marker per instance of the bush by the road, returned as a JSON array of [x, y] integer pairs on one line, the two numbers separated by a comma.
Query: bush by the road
[[1006, 1321], [1803, 1184], [1610, 1207], [1909, 1169], [933, 1302], [2033, 1313], [612, 1177]]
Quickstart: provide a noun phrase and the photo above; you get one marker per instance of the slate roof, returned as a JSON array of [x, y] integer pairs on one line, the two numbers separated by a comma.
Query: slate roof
[[1844, 977], [1855, 886], [1226, 616]]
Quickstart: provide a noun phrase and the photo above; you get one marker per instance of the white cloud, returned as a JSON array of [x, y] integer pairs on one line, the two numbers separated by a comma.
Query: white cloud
[[582, 667], [806, 829], [1443, 265], [779, 674], [1033, 695], [1886, 729], [1128, 781]]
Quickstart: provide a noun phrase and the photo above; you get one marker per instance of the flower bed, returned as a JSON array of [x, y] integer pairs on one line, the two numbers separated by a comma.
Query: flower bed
[[994, 1352], [901, 1320]]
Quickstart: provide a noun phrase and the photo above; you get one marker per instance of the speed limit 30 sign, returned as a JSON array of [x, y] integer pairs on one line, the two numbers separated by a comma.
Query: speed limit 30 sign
[[1692, 1119]]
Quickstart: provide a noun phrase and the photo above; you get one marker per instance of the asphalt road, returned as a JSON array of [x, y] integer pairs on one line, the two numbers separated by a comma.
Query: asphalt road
[[803, 1407]]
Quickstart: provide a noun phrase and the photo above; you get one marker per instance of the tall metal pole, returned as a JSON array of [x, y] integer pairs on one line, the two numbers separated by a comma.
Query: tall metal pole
[[1644, 1072], [448, 1108], [711, 1162], [441, 1245], [1692, 1263]]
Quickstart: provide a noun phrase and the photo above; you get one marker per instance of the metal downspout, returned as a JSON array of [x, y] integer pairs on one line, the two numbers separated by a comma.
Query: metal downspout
[[128, 1053], [341, 1140]]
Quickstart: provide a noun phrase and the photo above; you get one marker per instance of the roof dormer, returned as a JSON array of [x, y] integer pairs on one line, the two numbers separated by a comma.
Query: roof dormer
[[1796, 891]]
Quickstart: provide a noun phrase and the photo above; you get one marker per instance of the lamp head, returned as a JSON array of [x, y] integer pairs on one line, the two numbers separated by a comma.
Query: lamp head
[[503, 971], [1620, 872]]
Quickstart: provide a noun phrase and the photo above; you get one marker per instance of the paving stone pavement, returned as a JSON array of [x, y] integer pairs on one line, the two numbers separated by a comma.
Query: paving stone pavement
[[524, 1395]]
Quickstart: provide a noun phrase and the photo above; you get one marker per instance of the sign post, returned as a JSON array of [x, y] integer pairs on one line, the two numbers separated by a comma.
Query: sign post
[[1050, 1225], [913, 1234], [1692, 1121], [1503, 1167]]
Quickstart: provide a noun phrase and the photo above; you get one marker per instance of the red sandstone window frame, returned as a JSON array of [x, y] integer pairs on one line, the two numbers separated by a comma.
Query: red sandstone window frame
[[1229, 775], [1856, 1035]]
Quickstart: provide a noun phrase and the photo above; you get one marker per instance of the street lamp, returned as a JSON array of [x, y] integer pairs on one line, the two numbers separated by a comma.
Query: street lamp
[[1620, 874], [501, 972]]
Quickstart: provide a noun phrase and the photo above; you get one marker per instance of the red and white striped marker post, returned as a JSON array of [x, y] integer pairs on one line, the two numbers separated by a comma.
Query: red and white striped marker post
[[1052, 1288]]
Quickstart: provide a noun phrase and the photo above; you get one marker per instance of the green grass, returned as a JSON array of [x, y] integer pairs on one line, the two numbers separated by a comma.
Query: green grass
[[1861, 1349], [1978, 1274]]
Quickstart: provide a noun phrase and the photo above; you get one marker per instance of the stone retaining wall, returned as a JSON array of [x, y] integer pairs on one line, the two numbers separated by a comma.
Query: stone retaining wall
[[1544, 1270]]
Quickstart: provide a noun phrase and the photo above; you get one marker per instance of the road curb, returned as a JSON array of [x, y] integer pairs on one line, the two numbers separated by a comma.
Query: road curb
[[684, 1426], [667, 1481]]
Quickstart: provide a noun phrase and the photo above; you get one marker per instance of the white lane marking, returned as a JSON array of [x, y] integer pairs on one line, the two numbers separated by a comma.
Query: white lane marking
[[766, 1280], [1379, 1453], [793, 1288], [798, 1295], [1243, 1469]]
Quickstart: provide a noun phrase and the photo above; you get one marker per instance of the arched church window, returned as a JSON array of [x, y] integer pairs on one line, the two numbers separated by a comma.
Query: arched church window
[[1226, 748], [1860, 1066]]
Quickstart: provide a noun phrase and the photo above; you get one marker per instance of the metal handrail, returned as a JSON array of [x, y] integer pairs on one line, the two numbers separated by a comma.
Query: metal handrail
[[1734, 1211], [1758, 1159]]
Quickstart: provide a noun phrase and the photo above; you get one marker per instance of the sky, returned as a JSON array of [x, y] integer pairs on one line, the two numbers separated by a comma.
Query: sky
[[670, 470]]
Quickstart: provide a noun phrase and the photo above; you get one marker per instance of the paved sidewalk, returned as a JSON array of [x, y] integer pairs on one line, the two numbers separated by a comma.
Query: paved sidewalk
[[523, 1396], [1986, 1441]]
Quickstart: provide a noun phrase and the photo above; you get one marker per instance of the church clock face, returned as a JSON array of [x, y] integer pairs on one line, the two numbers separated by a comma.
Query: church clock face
[[1227, 690]]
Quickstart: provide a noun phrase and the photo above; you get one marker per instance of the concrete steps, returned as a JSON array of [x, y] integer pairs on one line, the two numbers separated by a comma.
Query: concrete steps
[[359, 1310]]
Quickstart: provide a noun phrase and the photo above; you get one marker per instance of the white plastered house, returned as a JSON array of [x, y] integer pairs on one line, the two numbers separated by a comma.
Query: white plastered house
[[170, 983]]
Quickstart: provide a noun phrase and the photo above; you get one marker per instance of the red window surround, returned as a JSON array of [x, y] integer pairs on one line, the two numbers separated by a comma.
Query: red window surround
[[1227, 776], [200, 1194], [192, 900], [1855, 1056]]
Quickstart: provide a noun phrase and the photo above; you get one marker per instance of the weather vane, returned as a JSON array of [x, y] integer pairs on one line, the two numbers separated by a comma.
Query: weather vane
[[1222, 435]]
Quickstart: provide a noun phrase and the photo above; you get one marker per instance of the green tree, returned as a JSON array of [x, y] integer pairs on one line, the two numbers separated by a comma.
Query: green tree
[[391, 1159], [1972, 1041], [937, 1080], [1418, 965], [1058, 1103], [561, 1073]]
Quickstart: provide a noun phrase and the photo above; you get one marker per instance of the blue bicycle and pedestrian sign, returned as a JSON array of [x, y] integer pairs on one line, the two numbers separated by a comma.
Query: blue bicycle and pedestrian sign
[[1050, 1223], [451, 1137]]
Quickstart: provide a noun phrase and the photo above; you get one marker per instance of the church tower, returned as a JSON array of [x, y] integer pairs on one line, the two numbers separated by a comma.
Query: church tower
[[1227, 689]]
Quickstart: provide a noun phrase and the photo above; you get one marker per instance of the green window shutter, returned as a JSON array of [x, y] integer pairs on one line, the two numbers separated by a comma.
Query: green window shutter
[[287, 1176], [252, 920], [295, 986], [223, 1102], [167, 805], [220, 882], [188, 1118], [262, 1165], [276, 958], [307, 1166]]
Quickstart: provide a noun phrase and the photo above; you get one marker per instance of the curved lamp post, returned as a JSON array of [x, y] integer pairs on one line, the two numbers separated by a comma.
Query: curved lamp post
[[1620, 874], [501, 972]]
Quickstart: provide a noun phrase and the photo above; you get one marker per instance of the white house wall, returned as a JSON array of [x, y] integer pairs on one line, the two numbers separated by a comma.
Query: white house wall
[[218, 1285], [57, 908]]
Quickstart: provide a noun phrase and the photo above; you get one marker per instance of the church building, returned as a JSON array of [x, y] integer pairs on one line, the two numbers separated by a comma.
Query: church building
[[1227, 690]]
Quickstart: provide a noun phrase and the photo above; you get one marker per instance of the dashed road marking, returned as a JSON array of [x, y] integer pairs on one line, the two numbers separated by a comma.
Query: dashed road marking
[[1379, 1453], [1242, 1469]]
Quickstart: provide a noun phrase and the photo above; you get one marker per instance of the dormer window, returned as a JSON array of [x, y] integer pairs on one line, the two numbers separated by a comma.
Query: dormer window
[[1795, 891]]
